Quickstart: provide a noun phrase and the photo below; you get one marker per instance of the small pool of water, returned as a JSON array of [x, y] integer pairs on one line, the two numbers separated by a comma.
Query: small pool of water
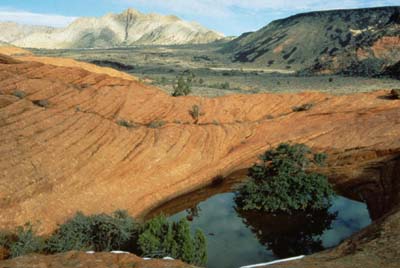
[[236, 238]]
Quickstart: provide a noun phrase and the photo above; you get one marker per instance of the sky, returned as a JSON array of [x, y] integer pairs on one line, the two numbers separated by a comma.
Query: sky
[[230, 17]]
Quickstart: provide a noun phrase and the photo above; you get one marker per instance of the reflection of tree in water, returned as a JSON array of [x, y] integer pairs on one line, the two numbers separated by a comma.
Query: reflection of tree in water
[[289, 235], [192, 212]]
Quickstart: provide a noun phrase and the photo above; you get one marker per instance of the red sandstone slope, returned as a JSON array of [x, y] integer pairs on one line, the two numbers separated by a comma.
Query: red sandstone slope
[[75, 259], [74, 156]]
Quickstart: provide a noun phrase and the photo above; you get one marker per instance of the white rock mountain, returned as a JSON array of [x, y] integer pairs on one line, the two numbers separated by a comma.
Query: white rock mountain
[[128, 28]]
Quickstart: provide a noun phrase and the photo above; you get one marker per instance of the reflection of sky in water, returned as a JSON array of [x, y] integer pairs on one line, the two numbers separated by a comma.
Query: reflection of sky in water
[[353, 216], [233, 244]]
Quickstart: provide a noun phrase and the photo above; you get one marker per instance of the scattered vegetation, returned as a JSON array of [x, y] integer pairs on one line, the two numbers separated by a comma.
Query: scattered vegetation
[[156, 124], [98, 232], [183, 86], [395, 93], [156, 238], [195, 112], [41, 103], [25, 241], [19, 94], [303, 108], [125, 123], [281, 183]]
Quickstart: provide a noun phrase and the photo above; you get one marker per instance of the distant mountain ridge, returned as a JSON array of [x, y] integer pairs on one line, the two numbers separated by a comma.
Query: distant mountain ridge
[[357, 41], [128, 28]]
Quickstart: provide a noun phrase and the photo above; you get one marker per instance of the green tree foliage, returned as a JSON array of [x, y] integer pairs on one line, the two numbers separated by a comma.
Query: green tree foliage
[[26, 241], [160, 238], [184, 239], [288, 235], [101, 232], [281, 182], [97, 232], [200, 243]]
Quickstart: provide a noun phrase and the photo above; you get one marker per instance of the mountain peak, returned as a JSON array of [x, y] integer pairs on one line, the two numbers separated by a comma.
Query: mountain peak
[[132, 11], [131, 27]]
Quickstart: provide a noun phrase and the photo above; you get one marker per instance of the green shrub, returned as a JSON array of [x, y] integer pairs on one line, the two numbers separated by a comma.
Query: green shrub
[[302, 108], [26, 241], [224, 85], [156, 124], [125, 123], [281, 182], [97, 232], [183, 86], [5, 239], [19, 94], [160, 238], [156, 238], [195, 112]]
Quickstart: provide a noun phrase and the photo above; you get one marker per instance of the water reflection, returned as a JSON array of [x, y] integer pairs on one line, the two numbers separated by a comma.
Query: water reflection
[[236, 238], [289, 235]]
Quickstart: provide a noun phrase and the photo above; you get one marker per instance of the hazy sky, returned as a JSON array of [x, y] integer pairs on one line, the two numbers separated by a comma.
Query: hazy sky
[[231, 17]]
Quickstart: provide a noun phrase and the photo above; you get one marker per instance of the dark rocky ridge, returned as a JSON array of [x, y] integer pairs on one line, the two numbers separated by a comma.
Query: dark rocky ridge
[[358, 41]]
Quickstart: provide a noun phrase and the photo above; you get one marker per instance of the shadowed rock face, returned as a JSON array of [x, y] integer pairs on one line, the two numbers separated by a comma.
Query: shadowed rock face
[[361, 41], [72, 154]]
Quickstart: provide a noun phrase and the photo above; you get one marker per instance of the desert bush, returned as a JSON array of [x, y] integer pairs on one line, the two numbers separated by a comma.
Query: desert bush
[[125, 123], [303, 107], [97, 232], [26, 241], [156, 124], [281, 183], [183, 86], [224, 85], [195, 112], [395, 93], [5, 239], [41, 103], [160, 238], [101, 232], [19, 94]]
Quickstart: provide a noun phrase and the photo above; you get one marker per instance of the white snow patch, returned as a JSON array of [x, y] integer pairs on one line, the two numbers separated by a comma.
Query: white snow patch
[[119, 252], [168, 258], [274, 262]]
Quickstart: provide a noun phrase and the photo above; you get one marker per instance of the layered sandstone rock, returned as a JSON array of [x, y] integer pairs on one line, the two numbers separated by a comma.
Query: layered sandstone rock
[[73, 155]]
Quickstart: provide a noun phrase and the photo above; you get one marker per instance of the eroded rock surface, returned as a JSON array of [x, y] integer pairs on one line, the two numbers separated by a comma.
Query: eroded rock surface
[[74, 154]]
